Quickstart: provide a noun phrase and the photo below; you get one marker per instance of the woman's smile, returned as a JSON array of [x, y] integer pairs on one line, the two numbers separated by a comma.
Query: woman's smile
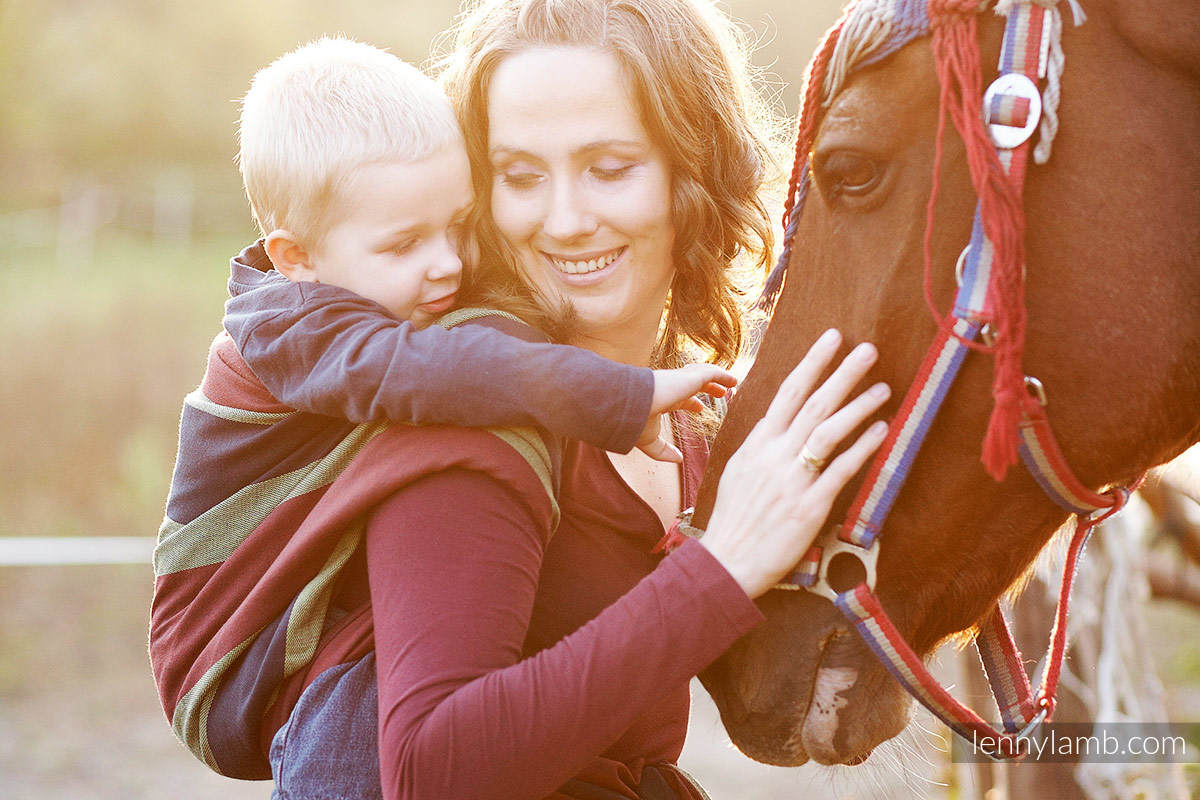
[[585, 268]]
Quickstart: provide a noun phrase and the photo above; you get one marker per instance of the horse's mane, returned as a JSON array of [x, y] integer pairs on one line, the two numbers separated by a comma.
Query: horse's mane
[[872, 30], [868, 31]]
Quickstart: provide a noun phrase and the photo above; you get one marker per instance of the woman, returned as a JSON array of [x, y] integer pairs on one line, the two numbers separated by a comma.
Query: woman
[[618, 168]]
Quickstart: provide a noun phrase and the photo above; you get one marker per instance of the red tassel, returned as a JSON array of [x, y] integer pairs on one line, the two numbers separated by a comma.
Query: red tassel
[[810, 107], [1000, 441], [956, 51]]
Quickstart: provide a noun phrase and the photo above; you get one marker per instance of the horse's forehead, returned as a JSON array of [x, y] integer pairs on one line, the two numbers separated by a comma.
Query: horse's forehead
[[871, 31], [885, 98]]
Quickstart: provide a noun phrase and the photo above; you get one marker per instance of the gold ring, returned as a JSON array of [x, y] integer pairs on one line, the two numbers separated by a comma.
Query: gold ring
[[812, 462]]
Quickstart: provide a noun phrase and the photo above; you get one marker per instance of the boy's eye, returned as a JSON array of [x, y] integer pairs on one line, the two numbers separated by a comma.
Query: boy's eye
[[400, 248]]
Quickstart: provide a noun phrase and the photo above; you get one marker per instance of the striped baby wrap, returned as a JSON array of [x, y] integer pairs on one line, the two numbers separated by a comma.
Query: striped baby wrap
[[267, 506]]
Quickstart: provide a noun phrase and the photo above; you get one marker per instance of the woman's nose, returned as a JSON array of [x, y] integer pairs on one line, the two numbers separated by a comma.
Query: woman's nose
[[569, 216]]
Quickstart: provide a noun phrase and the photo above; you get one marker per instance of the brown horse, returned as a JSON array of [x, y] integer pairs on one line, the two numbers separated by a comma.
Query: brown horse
[[1112, 297]]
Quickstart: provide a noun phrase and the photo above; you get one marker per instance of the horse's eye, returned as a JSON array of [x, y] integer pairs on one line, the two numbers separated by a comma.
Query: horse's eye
[[850, 173]]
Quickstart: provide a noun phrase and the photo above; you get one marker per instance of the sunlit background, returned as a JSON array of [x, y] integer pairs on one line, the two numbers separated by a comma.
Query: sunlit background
[[120, 206]]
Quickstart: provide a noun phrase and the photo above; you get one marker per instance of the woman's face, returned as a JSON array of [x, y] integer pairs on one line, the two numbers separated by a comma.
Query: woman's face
[[580, 191]]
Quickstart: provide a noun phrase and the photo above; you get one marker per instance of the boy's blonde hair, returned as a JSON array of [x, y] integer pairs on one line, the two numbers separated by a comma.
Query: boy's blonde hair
[[317, 113]]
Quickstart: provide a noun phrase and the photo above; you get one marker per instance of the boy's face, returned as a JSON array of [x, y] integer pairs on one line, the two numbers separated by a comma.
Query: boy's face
[[395, 234]]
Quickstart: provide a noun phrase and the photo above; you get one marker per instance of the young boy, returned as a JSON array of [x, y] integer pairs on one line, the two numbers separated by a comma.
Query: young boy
[[357, 176]]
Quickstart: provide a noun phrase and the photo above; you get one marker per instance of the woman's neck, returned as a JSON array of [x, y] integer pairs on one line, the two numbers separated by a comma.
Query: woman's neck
[[637, 353], [631, 342]]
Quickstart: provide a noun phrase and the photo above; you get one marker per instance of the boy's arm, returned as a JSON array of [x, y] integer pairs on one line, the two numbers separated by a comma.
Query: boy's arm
[[327, 350]]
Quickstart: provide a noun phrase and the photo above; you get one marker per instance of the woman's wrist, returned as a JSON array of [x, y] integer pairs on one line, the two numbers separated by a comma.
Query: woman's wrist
[[740, 565]]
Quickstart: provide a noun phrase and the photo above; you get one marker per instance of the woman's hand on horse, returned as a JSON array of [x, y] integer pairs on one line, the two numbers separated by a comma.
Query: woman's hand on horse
[[677, 389], [773, 498]]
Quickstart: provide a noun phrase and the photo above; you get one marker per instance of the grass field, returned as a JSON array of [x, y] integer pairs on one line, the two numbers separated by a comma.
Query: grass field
[[97, 359], [99, 355]]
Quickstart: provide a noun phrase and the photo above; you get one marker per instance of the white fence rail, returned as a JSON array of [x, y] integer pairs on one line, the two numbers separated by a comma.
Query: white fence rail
[[25, 551]]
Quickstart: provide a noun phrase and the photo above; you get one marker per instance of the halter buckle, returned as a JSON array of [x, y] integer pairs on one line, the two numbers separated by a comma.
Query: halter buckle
[[833, 546], [1033, 724], [1009, 128]]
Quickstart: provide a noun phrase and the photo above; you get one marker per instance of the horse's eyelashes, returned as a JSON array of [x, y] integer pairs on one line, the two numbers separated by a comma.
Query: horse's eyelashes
[[849, 173]]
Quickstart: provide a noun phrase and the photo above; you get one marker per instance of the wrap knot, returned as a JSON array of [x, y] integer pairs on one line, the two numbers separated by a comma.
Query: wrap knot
[[670, 540]]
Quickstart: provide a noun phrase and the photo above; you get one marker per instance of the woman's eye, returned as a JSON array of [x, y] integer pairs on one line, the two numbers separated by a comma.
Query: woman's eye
[[520, 180], [611, 173], [847, 173]]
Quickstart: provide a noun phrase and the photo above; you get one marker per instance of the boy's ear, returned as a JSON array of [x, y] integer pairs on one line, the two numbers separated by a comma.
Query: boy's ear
[[289, 257]]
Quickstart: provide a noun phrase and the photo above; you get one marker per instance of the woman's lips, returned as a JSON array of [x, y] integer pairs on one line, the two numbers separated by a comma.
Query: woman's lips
[[438, 306], [585, 269]]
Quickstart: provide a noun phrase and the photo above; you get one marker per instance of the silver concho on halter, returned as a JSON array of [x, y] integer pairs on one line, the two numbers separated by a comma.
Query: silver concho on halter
[[1012, 84]]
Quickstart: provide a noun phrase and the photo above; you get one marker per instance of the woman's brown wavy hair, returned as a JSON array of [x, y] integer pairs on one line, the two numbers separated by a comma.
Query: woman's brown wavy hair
[[687, 64]]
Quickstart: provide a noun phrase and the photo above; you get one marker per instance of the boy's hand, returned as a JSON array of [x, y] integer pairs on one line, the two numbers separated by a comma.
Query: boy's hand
[[677, 389]]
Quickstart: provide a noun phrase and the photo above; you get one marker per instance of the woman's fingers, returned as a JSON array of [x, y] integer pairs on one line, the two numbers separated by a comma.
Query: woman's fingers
[[847, 464], [776, 491], [827, 398], [797, 386], [827, 435]]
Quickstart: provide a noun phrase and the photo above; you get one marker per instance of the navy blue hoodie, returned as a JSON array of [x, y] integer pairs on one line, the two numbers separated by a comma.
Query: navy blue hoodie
[[326, 350]]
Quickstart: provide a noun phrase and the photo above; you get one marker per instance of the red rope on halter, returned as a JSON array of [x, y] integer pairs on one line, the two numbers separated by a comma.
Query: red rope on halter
[[956, 53], [814, 77]]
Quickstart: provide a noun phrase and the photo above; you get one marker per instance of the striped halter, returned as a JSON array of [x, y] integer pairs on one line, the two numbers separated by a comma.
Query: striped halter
[[988, 315]]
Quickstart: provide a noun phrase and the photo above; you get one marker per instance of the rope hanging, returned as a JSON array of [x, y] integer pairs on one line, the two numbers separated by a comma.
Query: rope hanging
[[798, 181], [956, 54]]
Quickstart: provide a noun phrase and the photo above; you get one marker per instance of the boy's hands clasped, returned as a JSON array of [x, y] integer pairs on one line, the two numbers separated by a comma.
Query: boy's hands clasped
[[775, 493], [677, 390]]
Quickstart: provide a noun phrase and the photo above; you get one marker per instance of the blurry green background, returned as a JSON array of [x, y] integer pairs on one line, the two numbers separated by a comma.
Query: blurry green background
[[119, 207]]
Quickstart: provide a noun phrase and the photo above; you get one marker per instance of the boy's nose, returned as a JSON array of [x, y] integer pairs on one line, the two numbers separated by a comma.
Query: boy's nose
[[446, 263]]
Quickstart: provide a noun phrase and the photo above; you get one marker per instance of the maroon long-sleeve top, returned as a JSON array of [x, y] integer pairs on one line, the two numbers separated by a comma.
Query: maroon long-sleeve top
[[513, 659]]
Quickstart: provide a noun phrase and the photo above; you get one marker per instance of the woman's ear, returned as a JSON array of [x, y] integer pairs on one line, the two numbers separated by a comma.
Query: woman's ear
[[289, 257]]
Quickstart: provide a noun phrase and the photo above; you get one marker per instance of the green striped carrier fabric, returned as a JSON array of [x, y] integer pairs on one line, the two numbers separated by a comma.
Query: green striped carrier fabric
[[267, 506]]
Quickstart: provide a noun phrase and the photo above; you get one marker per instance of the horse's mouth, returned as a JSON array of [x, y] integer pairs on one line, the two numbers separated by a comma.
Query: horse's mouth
[[819, 729], [849, 705]]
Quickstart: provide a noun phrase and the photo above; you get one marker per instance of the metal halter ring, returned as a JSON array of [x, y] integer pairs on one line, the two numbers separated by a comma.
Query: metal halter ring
[[962, 261], [958, 265], [989, 334], [832, 546], [814, 463], [1036, 389]]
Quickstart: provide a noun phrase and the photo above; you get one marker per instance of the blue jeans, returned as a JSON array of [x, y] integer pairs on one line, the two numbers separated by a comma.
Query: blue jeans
[[329, 747]]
